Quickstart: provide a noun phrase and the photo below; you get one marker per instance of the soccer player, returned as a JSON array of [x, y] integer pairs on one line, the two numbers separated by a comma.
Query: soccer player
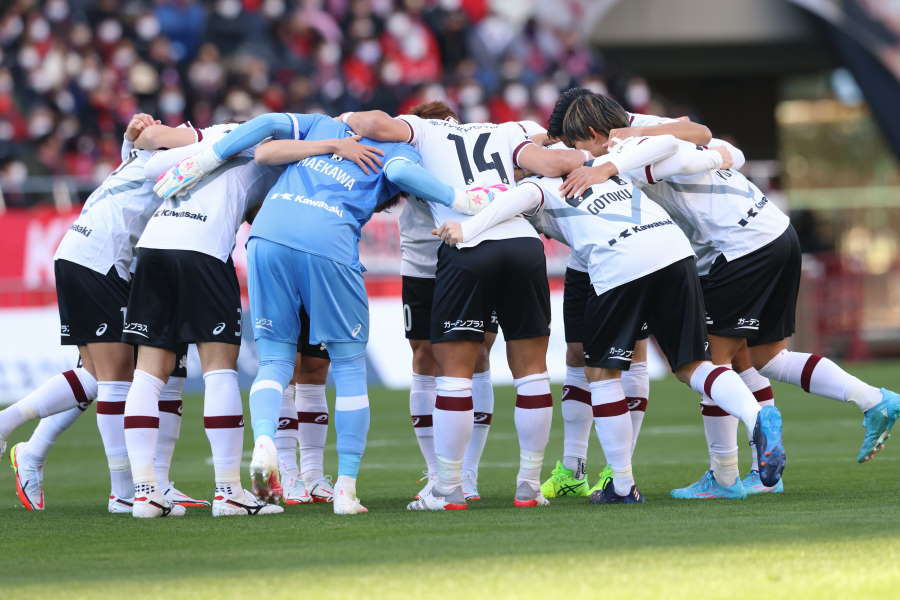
[[569, 477], [418, 263], [503, 270], [303, 252], [642, 270], [303, 423], [92, 268]]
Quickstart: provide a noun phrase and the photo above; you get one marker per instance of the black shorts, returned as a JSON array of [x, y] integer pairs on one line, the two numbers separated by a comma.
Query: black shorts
[[508, 276], [91, 305], [182, 297], [755, 296], [669, 301], [576, 291], [418, 294], [303, 345]]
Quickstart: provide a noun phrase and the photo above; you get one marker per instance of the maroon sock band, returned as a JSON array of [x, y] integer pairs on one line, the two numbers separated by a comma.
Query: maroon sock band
[[573, 392], [611, 409], [711, 378], [483, 418], [764, 394], [111, 408], [287, 423], [712, 411], [635, 403], [453, 403], [319, 418], [539, 401], [140, 422], [422, 420], [170, 406], [81, 398], [224, 422], [808, 369]]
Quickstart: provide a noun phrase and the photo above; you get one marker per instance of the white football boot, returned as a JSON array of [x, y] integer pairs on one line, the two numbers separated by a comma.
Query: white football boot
[[470, 486], [345, 500], [528, 495], [149, 503], [295, 492], [173, 495], [119, 506], [429, 479], [29, 478], [322, 490], [434, 501], [226, 503], [264, 475]]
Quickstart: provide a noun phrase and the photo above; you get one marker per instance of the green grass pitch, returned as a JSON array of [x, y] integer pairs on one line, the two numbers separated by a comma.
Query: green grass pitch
[[834, 533]]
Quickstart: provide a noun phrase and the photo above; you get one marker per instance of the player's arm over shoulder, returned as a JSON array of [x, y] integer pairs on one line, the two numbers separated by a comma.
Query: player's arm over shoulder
[[378, 125], [682, 128], [549, 162], [159, 136]]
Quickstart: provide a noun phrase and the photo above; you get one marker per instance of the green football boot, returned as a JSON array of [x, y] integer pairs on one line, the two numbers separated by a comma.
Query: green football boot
[[605, 477], [562, 482]]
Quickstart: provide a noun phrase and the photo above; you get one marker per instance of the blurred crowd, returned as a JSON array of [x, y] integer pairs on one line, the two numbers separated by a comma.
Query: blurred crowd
[[73, 72]]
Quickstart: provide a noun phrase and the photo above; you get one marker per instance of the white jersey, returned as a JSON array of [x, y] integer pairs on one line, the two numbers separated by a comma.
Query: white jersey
[[720, 211], [207, 217], [614, 229], [418, 247], [463, 155], [113, 217]]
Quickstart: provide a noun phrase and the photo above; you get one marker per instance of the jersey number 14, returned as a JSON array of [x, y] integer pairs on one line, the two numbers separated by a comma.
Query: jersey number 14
[[481, 163]]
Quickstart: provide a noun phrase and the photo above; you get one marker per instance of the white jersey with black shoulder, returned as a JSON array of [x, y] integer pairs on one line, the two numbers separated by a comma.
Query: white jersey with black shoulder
[[720, 211], [112, 219], [614, 229], [465, 155], [206, 219]]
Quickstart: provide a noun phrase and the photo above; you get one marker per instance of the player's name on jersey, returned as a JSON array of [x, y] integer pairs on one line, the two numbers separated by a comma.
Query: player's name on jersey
[[301, 199], [331, 170], [85, 231]]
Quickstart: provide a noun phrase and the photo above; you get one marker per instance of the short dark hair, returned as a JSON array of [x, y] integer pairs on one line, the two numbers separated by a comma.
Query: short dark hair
[[596, 111], [434, 110], [555, 126]]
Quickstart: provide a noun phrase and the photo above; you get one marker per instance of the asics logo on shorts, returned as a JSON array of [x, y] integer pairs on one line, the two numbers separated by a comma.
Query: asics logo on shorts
[[263, 323], [356, 330], [219, 328], [101, 330]]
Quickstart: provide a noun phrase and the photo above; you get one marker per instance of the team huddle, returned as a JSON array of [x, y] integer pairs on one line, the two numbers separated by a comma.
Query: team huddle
[[667, 239]]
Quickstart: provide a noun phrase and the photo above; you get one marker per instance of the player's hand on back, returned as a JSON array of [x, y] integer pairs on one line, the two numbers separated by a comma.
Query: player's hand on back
[[579, 180], [139, 123], [450, 232], [366, 157]]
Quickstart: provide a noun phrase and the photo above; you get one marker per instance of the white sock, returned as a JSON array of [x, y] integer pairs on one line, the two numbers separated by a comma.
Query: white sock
[[533, 417], [636, 385], [727, 390], [721, 441], [422, 393], [483, 406], [312, 412], [453, 422], [169, 429], [111, 423], [46, 432], [818, 375], [286, 437], [223, 420], [762, 391], [75, 388], [613, 425], [578, 418], [142, 425]]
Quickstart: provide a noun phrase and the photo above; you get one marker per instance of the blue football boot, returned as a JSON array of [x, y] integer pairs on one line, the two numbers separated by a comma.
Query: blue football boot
[[769, 446], [707, 488], [878, 422], [754, 485]]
